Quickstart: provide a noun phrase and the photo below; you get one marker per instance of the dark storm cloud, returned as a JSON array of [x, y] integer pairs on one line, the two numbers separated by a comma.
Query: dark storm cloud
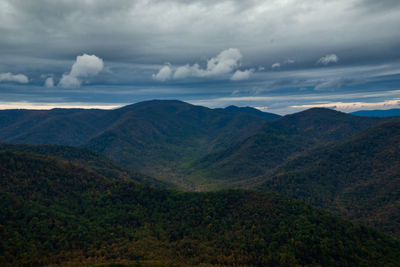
[[374, 6], [182, 32]]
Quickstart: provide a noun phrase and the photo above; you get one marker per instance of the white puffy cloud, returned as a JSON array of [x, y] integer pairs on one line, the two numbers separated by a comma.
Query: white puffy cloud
[[276, 65], [69, 81], [241, 75], [85, 66], [49, 82], [17, 78], [224, 63], [331, 58], [163, 74], [186, 71]]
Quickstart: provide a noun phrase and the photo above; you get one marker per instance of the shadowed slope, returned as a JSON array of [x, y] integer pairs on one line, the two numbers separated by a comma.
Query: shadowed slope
[[278, 142], [56, 126], [87, 159], [358, 178], [156, 137]]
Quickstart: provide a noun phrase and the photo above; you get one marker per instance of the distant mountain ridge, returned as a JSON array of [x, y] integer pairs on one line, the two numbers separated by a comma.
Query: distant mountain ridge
[[153, 137], [251, 111], [378, 113], [78, 126], [56, 126]]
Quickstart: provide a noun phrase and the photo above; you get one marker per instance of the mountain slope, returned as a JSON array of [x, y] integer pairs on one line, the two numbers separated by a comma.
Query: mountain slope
[[276, 143], [358, 178], [56, 126], [156, 137], [87, 159], [55, 212]]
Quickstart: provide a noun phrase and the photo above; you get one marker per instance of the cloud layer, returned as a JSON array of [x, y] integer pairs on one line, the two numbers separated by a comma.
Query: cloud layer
[[262, 30], [85, 66]]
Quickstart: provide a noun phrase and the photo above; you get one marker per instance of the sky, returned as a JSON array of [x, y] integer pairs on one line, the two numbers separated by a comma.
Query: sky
[[279, 56]]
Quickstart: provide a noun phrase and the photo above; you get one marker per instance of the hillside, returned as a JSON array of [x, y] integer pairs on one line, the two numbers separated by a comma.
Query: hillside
[[56, 126], [156, 137], [194, 147], [56, 212], [153, 137], [276, 143], [87, 159], [358, 178]]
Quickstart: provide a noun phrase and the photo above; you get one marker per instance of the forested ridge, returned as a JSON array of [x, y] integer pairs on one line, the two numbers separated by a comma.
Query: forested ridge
[[87, 159], [358, 178], [56, 212]]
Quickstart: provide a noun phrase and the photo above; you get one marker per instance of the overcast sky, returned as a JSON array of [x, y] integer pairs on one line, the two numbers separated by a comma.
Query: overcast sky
[[280, 56]]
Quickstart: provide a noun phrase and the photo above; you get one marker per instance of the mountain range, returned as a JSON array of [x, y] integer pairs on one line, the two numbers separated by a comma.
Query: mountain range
[[133, 163], [395, 112]]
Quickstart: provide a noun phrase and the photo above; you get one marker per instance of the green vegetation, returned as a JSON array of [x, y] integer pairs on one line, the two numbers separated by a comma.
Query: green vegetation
[[87, 159], [158, 137], [57, 212], [276, 143], [358, 178], [56, 126]]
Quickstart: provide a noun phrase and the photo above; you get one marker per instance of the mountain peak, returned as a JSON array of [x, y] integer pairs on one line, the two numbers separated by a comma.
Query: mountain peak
[[320, 111], [155, 102], [251, 111]]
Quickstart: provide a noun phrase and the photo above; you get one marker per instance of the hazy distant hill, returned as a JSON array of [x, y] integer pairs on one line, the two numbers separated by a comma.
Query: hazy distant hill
[[378, 113], [56, 212], [358, 178], [56, 126], [251, 111]]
